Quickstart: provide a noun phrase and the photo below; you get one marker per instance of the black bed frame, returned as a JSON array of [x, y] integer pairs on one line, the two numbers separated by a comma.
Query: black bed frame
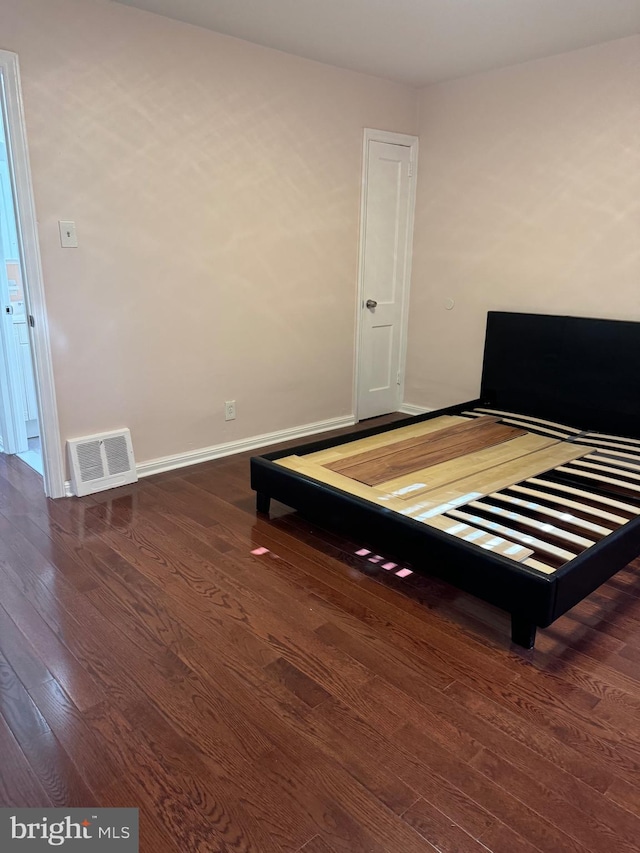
[[581, 372]]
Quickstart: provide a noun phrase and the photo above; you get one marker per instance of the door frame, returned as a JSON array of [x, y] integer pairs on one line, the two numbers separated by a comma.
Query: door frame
[[372, 135], [20, 173]]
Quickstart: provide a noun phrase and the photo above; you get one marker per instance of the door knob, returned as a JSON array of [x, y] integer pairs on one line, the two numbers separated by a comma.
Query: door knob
[[371, 303]]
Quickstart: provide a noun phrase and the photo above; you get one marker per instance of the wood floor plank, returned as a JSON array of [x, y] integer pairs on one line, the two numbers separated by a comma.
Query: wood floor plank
[[502, 839], [316, 845], [626, 795], [419, 638], [526, 749], [410, 632], [540, 741], [182, 790], [89, 636], [488, 795], [238, 786], [19, 786], [438, 829], [57, 774], [28, 541], [594, 835], [352, 735], [359, 822], [19, 653], [334, 566], [579, 729], [88, 752], [18, 709], [54, 654], [153, 834]]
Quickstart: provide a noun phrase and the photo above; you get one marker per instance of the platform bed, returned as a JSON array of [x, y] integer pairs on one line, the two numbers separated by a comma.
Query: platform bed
[[527, 497]]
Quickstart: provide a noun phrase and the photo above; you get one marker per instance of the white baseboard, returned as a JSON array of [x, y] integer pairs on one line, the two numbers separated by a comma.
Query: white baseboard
[[217, 451], [410, 409]]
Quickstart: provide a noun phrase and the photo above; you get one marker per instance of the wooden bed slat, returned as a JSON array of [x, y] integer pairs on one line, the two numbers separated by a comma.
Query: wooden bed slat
[[609, 453], [391, 445], [489, 541], [534, 524], [606, 445], [572, 490], [537, 564], [540, 509], [384, 439], [383, 463], [577, 505], [614, 438], [604, 457], [339, 481], [536, 428], [529, 418], [577, 472], [609, 469], [467, 473], [502, 476], [525, 538]]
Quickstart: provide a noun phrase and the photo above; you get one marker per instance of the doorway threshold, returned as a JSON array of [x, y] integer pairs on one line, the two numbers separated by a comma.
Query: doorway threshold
[[33, 459]]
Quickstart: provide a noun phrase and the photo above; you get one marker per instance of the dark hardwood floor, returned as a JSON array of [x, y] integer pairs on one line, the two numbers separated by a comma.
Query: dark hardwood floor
[[255, 685]]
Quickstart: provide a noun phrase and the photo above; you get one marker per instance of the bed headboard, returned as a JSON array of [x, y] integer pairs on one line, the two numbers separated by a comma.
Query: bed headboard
[[575, 370]]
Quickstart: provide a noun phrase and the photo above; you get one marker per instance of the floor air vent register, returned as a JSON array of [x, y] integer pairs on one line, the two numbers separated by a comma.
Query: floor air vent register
[[101, 462]]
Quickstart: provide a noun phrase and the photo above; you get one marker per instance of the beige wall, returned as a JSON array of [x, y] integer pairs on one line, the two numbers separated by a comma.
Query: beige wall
[[528, 200], [215, 186]]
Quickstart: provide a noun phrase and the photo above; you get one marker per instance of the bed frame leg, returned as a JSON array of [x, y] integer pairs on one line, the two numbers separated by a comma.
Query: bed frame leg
[[263, 502], [523, 631]]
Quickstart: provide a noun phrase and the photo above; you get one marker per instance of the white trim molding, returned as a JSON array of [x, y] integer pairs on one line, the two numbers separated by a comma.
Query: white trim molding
[[217, 451], [54, 483]]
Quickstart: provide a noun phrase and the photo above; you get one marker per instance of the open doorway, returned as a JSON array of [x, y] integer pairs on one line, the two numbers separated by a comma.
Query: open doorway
[[28, 413], [19, 424]]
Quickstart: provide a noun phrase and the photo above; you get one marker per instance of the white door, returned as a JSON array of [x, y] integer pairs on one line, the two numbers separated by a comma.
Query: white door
[[13, 423], [10, 257], [29, 402], [385, 268]]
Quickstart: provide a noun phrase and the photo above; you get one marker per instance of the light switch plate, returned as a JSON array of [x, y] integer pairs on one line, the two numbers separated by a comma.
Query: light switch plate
[[68, 236]]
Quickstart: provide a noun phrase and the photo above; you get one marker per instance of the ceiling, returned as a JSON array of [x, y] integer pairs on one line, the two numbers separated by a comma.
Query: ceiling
[[417, 42]]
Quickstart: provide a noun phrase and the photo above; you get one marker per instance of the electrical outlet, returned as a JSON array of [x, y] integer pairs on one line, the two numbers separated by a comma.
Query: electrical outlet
[[230, 410]]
